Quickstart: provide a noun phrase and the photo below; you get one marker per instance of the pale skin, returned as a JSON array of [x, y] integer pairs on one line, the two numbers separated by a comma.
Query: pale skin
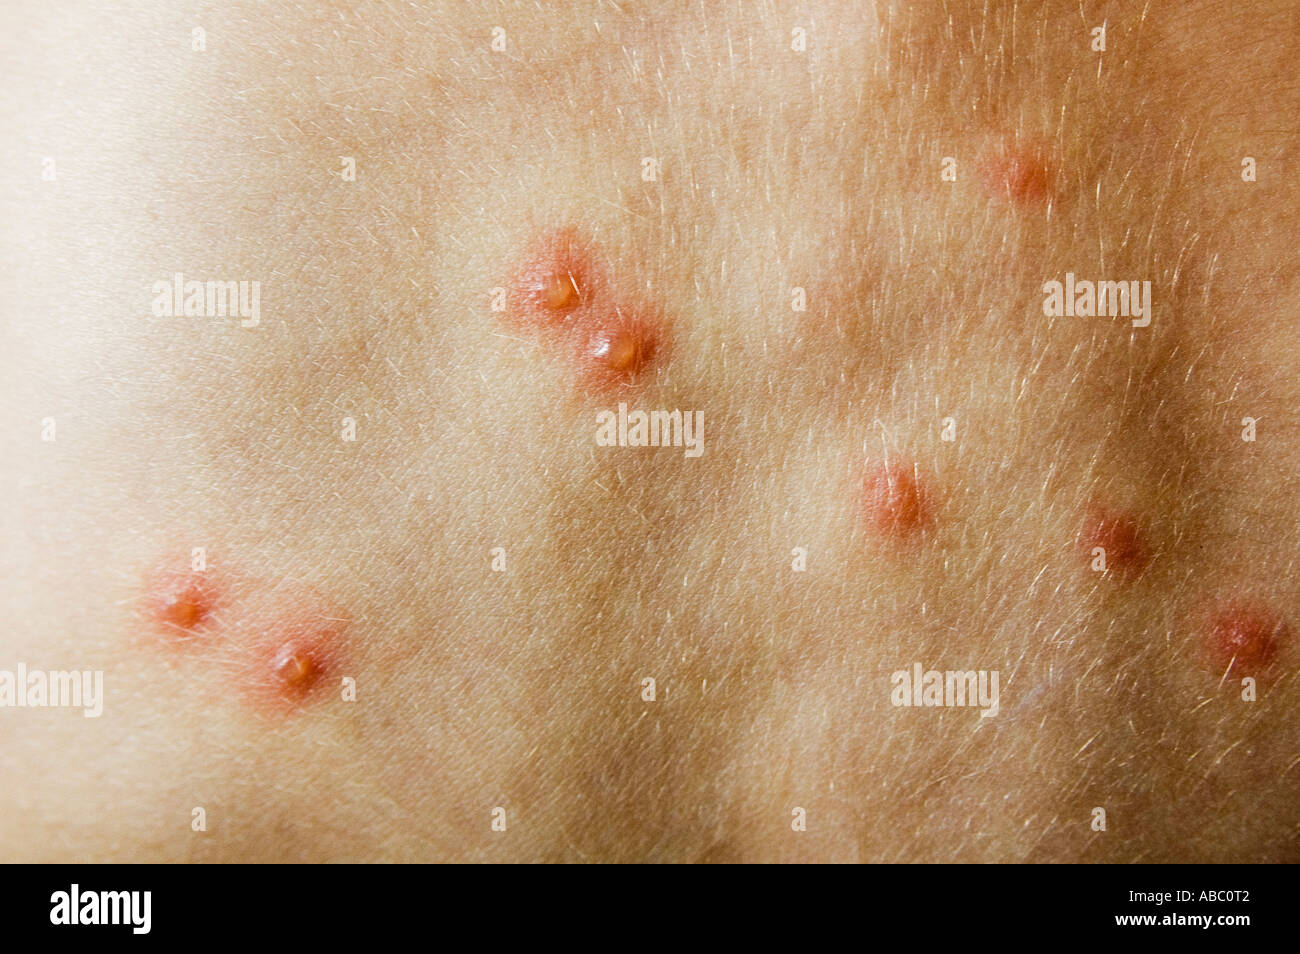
[[774, 169]]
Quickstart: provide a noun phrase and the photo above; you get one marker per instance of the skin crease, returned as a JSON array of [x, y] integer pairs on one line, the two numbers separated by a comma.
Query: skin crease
[[523, 689]]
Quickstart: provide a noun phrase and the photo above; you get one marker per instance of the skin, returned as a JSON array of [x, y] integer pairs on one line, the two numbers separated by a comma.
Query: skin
[[523, 689]]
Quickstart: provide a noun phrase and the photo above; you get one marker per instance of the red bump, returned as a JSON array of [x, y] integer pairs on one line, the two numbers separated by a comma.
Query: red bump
[[1019, 174], [895, 503], [615, 354], [296, 669], [1119, 535], [1244, 639], [179, 604], [293, 663], [557, 279]]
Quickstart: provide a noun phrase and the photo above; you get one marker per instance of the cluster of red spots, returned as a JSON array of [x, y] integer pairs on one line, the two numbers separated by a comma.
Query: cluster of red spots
[[1243, 638], [560, 291], [1019, 174], [1237, 637], [278, 662], [895, 504], [1119, 538]]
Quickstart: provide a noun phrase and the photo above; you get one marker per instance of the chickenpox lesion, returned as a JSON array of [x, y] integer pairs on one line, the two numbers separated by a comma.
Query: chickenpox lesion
[[276, 640], [1244, 637], [1019, 174], [294, 668], [896, 501], [179, 604], [563, 291], [590, 308], [555, 279], [183, 607], [1113, 542]]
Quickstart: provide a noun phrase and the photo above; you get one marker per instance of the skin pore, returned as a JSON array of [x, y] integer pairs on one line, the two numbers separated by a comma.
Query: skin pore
[[393, 473]]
